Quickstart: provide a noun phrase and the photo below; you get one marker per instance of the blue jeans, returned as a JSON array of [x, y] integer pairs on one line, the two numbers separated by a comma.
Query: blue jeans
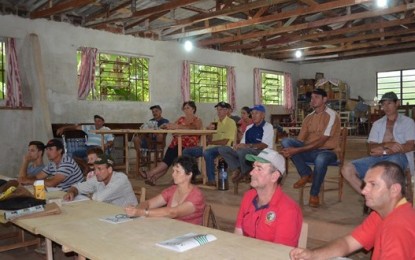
[[320, 158], [362, 165], [209, 154], [236, 159]]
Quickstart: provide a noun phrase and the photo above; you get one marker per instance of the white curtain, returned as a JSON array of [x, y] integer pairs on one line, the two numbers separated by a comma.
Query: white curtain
[[87, 72], [257, 87], [185, 81], [13, 86], [231, 82]]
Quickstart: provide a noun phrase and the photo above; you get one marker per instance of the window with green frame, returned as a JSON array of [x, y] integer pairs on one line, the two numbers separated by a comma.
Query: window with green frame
[[208, 83], [402, 82], [272, 88], [2, 70], [119, 78]]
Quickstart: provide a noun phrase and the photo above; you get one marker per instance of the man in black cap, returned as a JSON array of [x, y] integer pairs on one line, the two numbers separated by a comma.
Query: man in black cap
[[61, 171], [93, 139], [317, 143], [106, 185], [391, 138]]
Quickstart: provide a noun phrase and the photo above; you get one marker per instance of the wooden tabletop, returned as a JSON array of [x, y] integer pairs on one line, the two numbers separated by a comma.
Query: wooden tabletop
[[96, 239], [156, 131]]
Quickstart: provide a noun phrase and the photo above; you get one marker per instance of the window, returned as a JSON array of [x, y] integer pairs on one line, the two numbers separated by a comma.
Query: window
[[208, 84], [2, 70], [402, 82], [272, 88], [119, 77]]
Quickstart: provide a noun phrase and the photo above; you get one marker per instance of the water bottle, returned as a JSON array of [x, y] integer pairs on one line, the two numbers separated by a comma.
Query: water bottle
[[223, 183]]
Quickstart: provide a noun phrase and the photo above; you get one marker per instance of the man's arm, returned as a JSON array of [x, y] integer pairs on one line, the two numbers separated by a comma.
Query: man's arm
[[54, 180], [23, 166], [71, 194], [339, 247], [290, 151], [28, 180]]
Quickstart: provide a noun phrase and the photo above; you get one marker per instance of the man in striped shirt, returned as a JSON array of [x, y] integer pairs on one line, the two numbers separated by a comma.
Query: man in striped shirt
[[61, 171]]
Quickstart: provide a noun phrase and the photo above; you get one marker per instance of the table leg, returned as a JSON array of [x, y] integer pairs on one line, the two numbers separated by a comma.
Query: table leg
[[203, 170], [126, 153], [102, 142], [49, 251], [179, 144]]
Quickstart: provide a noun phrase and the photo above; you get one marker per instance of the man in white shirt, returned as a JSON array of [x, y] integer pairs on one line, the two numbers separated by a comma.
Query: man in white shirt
[[106, 186]]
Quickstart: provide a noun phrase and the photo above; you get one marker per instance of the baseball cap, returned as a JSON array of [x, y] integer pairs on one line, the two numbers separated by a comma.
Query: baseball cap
[[389, 96], [222, 104], [260, 108], [268, 156], [155, 106], [319, 91], [100, 117], [104, 159], [55, 142]]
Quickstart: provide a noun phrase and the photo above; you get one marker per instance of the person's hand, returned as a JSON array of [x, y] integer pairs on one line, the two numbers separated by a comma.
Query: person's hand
[[395, 148], [59, 131], [376, 151], [288, 152], [26, 158], [131, 211], [171, 126], [300, 254], [69, 196], [240, 146]]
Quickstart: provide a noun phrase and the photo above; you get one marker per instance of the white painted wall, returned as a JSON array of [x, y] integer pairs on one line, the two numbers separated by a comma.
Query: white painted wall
[[360, 74], [59, 42]]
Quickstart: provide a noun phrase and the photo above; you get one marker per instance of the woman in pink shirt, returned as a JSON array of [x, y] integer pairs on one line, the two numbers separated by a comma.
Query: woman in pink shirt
[[182, 201], [245, 121]]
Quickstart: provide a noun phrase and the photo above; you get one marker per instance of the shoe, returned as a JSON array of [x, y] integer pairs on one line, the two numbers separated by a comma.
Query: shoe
[[211, 183], [302, 182], [236, 176], [314, 201]]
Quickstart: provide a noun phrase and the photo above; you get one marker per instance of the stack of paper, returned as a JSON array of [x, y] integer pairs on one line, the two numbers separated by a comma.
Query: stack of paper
[[186, 242]]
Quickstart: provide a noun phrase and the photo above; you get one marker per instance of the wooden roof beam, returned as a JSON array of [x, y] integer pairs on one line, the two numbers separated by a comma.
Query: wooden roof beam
[[60, 8], [163, 7]]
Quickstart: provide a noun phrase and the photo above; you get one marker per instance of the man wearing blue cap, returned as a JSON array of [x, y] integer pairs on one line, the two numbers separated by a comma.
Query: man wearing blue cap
[[258, 136], [317, 143]]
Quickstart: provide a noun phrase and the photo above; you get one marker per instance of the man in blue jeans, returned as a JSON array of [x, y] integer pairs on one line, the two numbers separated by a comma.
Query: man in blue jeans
[[225, 136], [390, 139], [317, 143]]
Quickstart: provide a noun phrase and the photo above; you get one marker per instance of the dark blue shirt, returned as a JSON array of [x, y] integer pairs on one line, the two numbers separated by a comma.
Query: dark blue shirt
[[254, 134]]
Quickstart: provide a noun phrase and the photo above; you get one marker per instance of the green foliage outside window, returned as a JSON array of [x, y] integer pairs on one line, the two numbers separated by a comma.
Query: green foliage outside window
[[2, 71], [120, 78], [272, 88], [402, 82], [208, 84]]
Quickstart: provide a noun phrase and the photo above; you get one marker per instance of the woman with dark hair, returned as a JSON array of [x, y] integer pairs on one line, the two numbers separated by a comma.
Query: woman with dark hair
[[188, 121], [182, 201], [244, 122]]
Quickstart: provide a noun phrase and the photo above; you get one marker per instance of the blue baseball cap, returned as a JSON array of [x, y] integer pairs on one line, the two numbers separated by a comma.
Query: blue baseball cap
[[260, 108]]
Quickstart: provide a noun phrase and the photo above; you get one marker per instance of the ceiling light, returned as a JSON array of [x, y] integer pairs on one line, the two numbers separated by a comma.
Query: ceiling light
[[188, 45], [382, 3], [298, 54]]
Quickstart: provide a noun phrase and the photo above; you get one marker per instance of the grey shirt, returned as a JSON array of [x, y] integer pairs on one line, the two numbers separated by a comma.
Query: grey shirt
[[118, 191]]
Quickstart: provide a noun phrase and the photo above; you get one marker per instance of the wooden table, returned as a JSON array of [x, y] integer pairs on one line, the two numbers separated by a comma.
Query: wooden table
[[178, 132], [81, 231]]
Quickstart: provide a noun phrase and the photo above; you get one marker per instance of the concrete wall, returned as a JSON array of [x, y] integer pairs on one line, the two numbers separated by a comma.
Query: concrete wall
[[57, 45], [360, 74]]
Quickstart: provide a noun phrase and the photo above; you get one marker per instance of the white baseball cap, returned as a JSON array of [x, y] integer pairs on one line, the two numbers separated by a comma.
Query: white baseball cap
[[269, 156]]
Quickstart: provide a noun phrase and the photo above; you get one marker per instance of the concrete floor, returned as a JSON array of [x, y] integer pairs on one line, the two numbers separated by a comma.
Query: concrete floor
[[327, 222]]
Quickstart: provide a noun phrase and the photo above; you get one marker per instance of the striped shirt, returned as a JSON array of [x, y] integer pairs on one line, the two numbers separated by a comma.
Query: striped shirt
[[67, 167], [95, 139]]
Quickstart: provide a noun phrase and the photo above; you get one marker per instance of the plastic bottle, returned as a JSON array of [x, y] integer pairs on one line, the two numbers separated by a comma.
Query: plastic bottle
[[223, 183]]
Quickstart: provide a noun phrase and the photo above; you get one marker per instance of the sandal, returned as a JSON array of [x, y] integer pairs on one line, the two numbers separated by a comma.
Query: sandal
[[143, 174]]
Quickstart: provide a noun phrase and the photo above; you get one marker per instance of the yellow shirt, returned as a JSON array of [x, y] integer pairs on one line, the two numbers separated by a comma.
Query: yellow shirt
[[226, 130]]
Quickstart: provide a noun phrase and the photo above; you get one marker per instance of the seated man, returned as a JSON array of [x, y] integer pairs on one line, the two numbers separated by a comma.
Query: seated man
[[258, 136], [390, 227], [93, 139], [106, 186], [266, 212], [316, 143], [141, 141], [226, 130], [33, 160], [391, 139], [92, 154], [61, 171]]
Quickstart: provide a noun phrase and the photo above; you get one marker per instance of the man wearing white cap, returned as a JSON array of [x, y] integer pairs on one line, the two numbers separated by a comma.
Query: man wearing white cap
[[266, 212]]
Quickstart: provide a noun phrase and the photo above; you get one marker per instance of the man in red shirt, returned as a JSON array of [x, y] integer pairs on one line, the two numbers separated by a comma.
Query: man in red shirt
[[266, 212], [389, 229]]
